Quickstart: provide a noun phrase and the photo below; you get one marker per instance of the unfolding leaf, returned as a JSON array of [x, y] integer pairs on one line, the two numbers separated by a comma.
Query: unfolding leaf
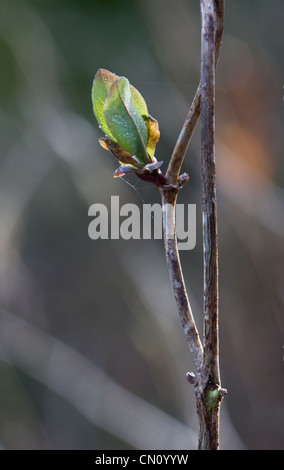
[[125, 122], [153, 135], [139, 102], [101, 85], [123, 116], [122, 155], [123, 169]]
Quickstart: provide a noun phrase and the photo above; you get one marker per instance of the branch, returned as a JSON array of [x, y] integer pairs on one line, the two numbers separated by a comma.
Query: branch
[[195, 108], [206, 358], [169, 195], [208, 392], [209, 202]]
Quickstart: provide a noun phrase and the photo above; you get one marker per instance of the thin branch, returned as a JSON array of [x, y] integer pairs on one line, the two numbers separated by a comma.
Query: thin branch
[[207, 383], [169, 195], [209, 201], [195, 108], [184, 139], [208, 392]]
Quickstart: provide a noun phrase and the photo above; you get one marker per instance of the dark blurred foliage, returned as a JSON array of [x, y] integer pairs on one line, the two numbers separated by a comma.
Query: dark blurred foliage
[[92, 354]]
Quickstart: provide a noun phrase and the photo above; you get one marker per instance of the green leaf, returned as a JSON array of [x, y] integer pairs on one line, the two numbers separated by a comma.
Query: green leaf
[[124, 120], [101, 85], [123, 116], [139, 102]]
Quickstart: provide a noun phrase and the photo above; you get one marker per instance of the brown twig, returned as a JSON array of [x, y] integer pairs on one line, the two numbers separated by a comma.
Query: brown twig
[[195, 108], [169, 195], [208, 392], [207, 382]]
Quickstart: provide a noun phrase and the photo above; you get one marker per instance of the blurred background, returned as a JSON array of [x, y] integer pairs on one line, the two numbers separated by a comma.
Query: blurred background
[[92, 353]]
